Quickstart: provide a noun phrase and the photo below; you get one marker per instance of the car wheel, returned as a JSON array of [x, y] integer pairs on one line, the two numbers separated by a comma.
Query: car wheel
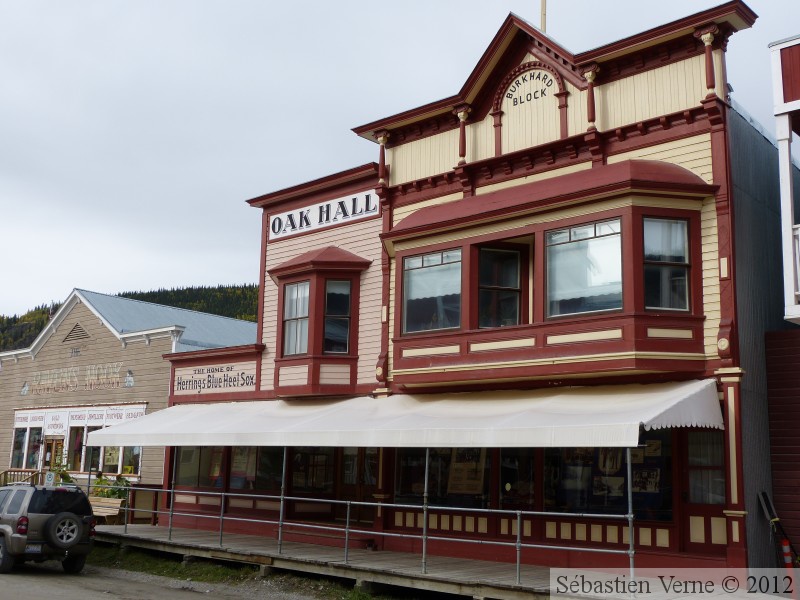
[[63, 530], [6, 560], [74, 564]]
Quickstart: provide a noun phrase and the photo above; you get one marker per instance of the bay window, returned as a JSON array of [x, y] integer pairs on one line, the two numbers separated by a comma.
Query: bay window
[[666, 264], [432, 291], [584, 268]]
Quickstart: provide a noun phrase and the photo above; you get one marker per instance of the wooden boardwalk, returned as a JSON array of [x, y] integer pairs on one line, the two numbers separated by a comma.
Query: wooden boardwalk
[[472, 578]]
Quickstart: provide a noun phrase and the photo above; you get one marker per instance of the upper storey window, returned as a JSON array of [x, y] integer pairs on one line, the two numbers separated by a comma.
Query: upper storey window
[[666, 264], [295, 318], [432, 291], [499, 286], [337, 317], [584, 268]]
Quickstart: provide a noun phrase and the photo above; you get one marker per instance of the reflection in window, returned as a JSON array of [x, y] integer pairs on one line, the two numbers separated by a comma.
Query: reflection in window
[[34, 448], [131, 456], [499, 288], [199, 466], [706, 467], [75, 448], [432, 291], [666, 268], [456, 477], [337, 316], [584, 268], [312, 469], [594, 480], [18, 448], [517, 478], [295, 318]]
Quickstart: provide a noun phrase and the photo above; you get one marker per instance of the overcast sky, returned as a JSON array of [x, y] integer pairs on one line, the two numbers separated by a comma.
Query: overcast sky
[[133, 132]]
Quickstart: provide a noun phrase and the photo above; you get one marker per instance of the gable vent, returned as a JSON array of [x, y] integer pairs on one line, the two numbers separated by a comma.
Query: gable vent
[[77, 333]]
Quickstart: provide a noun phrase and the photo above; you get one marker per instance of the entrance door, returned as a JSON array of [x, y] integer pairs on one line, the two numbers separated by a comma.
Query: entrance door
[[358, 476], [703, 497], [54, 452]]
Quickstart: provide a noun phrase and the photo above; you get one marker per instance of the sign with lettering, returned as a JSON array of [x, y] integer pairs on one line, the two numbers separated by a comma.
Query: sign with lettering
[[214, 379], [529, 87], [103, 376], [323, 214], [57, 421]]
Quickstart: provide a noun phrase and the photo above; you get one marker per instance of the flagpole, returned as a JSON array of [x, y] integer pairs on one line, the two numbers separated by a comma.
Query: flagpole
[[543, 19]]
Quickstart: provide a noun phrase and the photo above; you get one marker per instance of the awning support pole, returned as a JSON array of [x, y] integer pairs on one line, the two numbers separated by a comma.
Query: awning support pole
[[221, 516], [425, 514], [631, 532], [519, 544], [172, 491], [347, 534], [283, 502]]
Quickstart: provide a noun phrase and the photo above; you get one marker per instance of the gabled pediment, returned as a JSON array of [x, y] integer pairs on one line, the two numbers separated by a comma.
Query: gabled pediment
[[517, 42]]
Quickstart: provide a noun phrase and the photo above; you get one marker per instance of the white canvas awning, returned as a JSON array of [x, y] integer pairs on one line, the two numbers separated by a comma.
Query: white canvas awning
[[607, 416]]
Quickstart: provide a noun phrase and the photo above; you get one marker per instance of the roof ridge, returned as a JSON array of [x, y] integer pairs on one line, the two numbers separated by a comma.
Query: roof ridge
[[197, 312]]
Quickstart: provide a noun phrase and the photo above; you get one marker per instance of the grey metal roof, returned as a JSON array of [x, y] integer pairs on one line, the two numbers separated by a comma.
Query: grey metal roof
[[201, 330]]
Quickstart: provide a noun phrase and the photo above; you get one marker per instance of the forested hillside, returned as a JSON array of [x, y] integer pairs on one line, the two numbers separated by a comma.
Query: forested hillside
[[235, 301]]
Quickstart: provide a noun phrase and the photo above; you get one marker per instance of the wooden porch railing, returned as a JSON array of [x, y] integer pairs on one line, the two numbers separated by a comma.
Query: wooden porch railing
[[21, 475]]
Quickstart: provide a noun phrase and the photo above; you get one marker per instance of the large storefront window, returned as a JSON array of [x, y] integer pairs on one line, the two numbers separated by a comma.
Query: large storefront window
[[256, 468], [34, 448], [199, 466], [517, 478], [432, 291], [111, 459], [584, 268], [312, 469], [594, 480], [18, 449], [131, 456], [456, 477]]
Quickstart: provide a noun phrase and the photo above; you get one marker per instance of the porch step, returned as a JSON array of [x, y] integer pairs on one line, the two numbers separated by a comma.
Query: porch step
[[328, 538]]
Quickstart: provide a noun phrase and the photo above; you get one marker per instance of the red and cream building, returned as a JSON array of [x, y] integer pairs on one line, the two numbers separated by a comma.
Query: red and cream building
[[568, 240]]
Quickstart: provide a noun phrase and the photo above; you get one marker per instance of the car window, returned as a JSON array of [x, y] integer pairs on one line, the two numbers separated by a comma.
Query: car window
[[52, 501], [16, 502], [3, 496]]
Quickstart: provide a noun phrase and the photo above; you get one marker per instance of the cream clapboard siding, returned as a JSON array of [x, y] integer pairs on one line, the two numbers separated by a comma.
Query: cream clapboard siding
[[664, 90], [429, 156], [672, 88], [480, 139], [362, 239], [694, 154], [150, 371]]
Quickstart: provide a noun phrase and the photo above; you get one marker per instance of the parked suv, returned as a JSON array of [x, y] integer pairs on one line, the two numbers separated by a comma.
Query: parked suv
[[41, 523]]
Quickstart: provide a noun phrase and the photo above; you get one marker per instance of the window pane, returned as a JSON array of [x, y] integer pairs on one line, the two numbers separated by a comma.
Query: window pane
[[499, 268], [210, 467], [34, 448], [665, 286], [707, 486], [583, 232], [705, 448], [337, 331], [270, 469], [18, 451], [188, 465], [75, 448], [517, 478], [312, 469], [665, 241], [131, 456], [337, 298], [498, 308], [111, 459], [432, 295], [457, 476], [243, 467], [585, 276], [295, 337], [296, 300], [92, 453]]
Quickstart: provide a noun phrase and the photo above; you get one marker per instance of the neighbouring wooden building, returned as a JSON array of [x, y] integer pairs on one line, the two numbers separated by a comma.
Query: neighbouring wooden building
[[98, 362], [570, 257]]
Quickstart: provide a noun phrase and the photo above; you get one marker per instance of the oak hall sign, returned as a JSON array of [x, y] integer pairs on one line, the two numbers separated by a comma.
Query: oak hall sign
[[323, 214]]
